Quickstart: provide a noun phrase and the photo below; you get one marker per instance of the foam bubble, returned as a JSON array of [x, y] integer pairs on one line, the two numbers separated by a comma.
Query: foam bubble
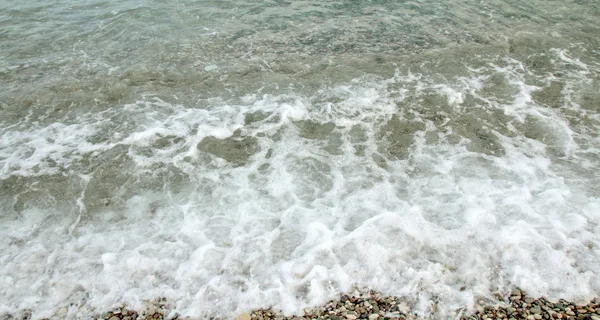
[[406, 185]]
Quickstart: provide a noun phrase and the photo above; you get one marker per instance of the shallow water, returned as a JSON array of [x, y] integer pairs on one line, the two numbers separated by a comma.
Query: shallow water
[[237, 155]]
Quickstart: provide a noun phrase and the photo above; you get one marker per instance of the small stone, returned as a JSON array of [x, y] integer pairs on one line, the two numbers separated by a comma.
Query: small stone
[[243, 316], [595, 317], [537, 316], [373, 316], [515, 292], [63, 311], [351, 317], [114, 318]]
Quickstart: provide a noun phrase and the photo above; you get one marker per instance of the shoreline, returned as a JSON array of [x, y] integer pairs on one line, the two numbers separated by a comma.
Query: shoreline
[[371, 306]]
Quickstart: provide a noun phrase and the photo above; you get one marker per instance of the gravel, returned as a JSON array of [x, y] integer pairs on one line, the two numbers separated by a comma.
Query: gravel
[[374, 306]]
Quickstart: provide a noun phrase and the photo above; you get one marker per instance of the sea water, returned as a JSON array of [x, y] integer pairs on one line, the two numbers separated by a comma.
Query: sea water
[[234, 155]]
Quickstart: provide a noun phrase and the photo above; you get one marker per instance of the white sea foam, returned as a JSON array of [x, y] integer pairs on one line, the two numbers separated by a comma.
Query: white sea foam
[[304, 219]]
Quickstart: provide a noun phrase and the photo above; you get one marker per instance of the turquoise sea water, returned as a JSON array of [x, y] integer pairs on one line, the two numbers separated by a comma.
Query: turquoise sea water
[[233, 155]]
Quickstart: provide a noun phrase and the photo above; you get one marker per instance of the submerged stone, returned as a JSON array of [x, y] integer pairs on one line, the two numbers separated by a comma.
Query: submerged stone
[[314, 130], [236, 150], [399, 137], [482, 138], [255, 117], [551, 95]]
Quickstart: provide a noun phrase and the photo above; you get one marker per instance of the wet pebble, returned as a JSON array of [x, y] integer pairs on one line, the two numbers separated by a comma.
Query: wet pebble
[[374, 306]]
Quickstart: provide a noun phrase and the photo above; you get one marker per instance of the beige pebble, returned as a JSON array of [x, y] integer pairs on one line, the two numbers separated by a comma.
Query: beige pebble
[[515, 292], [373, 316], [63, 311], [350, 317], [243, 316]]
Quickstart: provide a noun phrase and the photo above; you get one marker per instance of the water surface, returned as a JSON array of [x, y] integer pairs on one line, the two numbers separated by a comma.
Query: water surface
[[233, 155]]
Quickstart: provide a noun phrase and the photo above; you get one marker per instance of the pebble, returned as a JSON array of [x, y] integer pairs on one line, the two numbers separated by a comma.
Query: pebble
[[515, 292], [374, 306], [243, 316], [62, 311]]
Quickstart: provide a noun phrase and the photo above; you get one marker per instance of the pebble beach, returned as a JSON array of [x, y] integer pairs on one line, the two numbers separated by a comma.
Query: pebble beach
[[373, 306]]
